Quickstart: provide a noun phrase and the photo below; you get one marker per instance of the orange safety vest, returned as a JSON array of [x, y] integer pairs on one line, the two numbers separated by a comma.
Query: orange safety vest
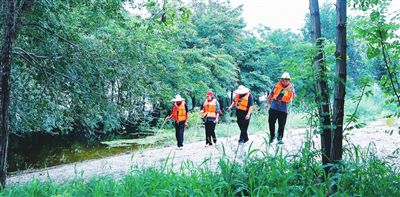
[[210, 108], [288, 92], [242, 102], [179, 112]]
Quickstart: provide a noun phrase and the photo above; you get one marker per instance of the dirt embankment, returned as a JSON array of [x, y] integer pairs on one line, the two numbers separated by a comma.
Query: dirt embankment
[[117, 166]]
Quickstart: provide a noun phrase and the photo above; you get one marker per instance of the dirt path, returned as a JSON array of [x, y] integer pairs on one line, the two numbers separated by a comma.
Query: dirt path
[[118, 166]]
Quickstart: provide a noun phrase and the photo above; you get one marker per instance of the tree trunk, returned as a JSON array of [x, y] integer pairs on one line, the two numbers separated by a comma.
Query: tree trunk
[[164, 14], [322, 93], [231, 99], [12, 25], [5, 66], [193, 101], [340, 84]]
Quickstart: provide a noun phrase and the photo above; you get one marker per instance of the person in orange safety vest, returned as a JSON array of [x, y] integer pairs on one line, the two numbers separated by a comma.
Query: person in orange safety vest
[[211, 112], [180, 116], [244, 107], [281, 95]]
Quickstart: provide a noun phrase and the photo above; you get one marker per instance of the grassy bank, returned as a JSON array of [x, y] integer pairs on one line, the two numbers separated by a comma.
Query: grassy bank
[[270, 175]]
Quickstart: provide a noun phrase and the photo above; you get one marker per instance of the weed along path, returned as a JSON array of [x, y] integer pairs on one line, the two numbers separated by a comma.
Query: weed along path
[[198, 155]]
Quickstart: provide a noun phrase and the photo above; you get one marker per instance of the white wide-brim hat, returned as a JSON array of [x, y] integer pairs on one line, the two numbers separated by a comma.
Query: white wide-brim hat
[[177, 98], [285, 75], [241, 90]]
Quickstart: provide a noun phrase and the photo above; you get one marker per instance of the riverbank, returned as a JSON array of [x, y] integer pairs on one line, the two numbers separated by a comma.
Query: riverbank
[[375, 135]]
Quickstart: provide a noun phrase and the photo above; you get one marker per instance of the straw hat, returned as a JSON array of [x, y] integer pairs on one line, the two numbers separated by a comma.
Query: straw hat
[[285, 75], [177, 98], [241, 90]]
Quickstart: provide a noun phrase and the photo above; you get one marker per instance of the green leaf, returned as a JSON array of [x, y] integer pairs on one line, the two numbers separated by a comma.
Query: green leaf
[[372, 52], [374, 16]]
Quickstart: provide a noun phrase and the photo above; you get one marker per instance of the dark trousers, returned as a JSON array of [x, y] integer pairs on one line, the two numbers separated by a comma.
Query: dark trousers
[[210, 132], [243, 125], [281, 116], [179, 129]]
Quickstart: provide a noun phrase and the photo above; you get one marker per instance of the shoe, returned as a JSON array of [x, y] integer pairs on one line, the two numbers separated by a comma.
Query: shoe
[[179, 148], [241, 142], [207, 145], [280, 142], [271, 140]]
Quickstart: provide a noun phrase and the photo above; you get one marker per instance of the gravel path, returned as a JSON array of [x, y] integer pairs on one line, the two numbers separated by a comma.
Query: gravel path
[[169, 157]]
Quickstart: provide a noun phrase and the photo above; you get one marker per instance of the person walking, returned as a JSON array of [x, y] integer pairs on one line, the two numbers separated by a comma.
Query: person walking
[[180, 116], [244, 107], [281, 95], [211, 112]]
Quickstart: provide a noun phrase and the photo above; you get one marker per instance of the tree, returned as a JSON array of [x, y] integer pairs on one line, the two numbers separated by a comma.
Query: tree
[[11, 28], [356, 64], [331, 139], [340, 83], [218, 27], [322, 90]]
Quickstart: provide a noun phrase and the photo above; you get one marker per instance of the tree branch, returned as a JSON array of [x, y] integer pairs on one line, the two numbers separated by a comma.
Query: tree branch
[[384, 54], [54, 33], [34, 63], [33, 55], [355, 110]]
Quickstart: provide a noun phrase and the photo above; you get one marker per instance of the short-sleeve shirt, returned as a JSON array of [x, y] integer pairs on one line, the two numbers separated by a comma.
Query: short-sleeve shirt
[[279, 106]]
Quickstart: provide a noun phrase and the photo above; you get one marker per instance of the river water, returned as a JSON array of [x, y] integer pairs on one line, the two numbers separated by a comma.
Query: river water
[[43, 150]]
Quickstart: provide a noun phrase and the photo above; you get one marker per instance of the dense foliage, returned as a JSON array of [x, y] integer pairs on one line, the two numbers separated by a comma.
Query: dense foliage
[[95, 67], [101, 67]]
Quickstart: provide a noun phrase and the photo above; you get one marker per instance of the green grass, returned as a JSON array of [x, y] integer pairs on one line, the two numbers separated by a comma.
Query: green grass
[[270, 175]]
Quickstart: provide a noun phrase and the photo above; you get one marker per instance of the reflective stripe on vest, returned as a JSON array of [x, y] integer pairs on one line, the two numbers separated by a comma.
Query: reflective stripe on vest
[[242, 103], [179, 112], [287, 92], [210, 109]]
